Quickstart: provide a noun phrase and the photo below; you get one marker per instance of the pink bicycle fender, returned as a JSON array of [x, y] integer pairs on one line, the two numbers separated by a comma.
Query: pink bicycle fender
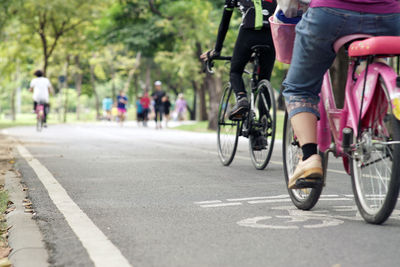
[[376, 70]]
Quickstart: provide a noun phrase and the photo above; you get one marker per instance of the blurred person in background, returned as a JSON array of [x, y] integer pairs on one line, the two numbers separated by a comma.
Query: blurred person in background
[[41, 88], [166, 108], [181, 107], [139, 111], [158, 95], [122, 101], [107, 106], [145, 102]]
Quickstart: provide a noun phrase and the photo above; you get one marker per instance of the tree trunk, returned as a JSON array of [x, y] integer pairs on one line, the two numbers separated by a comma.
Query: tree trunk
[[148, 77], [132, 71], [194, 111], [65, 88], [203, 116], [338, 73], [214, 85], [13, 111], [96, 95], [78, 85]]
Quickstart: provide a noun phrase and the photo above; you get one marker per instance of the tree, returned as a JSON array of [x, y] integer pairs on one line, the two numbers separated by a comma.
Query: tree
[[51, 20]]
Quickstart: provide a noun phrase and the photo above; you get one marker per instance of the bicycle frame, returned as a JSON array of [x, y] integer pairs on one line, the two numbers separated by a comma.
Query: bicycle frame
[[39, 110], [333, 120]]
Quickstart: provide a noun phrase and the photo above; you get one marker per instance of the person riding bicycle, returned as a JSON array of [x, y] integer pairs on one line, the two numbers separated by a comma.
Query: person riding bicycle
[[254, 30], [323, 23], [41, 88]]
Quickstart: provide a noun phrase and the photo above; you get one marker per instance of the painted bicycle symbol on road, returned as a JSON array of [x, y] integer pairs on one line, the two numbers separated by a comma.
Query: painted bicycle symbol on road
[[288, 217]]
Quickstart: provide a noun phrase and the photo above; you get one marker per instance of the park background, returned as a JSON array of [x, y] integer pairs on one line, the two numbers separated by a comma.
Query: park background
[[91, 49]]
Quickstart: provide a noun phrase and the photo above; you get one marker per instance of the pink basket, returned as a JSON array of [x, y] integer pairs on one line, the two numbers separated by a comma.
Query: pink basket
[[283, 35]]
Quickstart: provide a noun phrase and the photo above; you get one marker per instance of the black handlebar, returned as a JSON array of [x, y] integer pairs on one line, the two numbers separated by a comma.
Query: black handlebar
[[209, 64]]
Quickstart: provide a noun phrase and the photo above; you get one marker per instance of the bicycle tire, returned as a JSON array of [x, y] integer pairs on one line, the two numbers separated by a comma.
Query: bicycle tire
[[228, 130], [306, 198], [365, 174], [265, 118], [39, 123]]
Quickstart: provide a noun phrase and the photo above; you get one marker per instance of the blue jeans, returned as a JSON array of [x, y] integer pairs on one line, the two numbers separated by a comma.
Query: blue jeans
[[313, 52]]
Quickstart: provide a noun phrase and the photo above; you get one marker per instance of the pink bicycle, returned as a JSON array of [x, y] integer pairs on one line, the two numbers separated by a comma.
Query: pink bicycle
[[365, 132], [40, 116]]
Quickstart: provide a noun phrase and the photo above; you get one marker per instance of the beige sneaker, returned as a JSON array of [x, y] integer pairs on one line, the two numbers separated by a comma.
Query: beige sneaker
[[309, 170]]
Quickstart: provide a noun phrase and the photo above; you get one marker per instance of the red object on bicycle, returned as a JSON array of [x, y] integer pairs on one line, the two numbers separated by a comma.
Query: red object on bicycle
[[381, 45]]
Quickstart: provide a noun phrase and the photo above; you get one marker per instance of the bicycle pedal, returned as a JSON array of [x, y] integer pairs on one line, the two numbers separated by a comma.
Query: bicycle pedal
[[309, 183]]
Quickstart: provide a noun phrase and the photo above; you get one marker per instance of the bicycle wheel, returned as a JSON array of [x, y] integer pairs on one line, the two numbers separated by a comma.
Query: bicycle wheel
[[374, 169], [228, 130], [264, 124], [39, 123], [304, 198]]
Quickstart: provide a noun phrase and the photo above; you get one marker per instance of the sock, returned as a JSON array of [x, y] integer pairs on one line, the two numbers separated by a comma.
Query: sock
[[240, 96], [309, 150]]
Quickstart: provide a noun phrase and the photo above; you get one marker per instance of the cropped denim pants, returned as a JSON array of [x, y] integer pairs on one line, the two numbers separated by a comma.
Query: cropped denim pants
[[313, 52]]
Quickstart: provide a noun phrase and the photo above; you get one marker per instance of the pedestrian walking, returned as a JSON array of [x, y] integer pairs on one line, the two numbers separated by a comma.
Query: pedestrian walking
[[166, 108], [145, 102], [107, 106], [157, 95], [139, 111], [181, 107], [122, 101]]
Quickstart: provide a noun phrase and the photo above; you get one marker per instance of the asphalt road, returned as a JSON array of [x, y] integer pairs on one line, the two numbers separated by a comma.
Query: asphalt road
[[163, 199]]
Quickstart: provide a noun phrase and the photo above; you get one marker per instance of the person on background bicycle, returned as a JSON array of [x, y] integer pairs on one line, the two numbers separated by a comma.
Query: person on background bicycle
[[323, 23], [41, 88], [254, 30]]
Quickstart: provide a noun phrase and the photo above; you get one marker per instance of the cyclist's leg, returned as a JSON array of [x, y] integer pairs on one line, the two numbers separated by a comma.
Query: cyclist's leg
[[241, 55], [267, 59], [46, 108], [34, 106], [312, 56]]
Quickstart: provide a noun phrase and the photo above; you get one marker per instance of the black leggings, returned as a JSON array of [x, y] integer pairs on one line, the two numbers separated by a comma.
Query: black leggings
[[241, 55], [159, 112], [45, 110]]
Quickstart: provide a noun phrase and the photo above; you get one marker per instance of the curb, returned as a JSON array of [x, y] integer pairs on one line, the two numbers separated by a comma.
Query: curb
[[25, 237]]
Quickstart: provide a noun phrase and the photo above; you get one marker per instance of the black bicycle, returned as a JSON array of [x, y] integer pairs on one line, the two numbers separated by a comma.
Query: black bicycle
[[258, 123]]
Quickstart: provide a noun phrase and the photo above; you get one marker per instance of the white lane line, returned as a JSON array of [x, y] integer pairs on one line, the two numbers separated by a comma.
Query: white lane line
[[334, 199], [329, 196], [256, 198], [100, 249], [221, 205], [270, 201], [208, 202]]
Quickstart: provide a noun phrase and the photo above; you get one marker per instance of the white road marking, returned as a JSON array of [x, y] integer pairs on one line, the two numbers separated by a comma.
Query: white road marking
[[208, 202], [270, 201], [334, 199], [256, 198], [100, 249], [221, 205]]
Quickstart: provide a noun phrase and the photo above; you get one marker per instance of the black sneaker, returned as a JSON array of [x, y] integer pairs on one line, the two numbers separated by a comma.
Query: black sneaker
[[239, 109], [260, 143]]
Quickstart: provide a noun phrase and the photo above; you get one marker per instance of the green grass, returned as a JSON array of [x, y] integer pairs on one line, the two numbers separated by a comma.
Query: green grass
[[3, 207], [29, 119], [202, 126]]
